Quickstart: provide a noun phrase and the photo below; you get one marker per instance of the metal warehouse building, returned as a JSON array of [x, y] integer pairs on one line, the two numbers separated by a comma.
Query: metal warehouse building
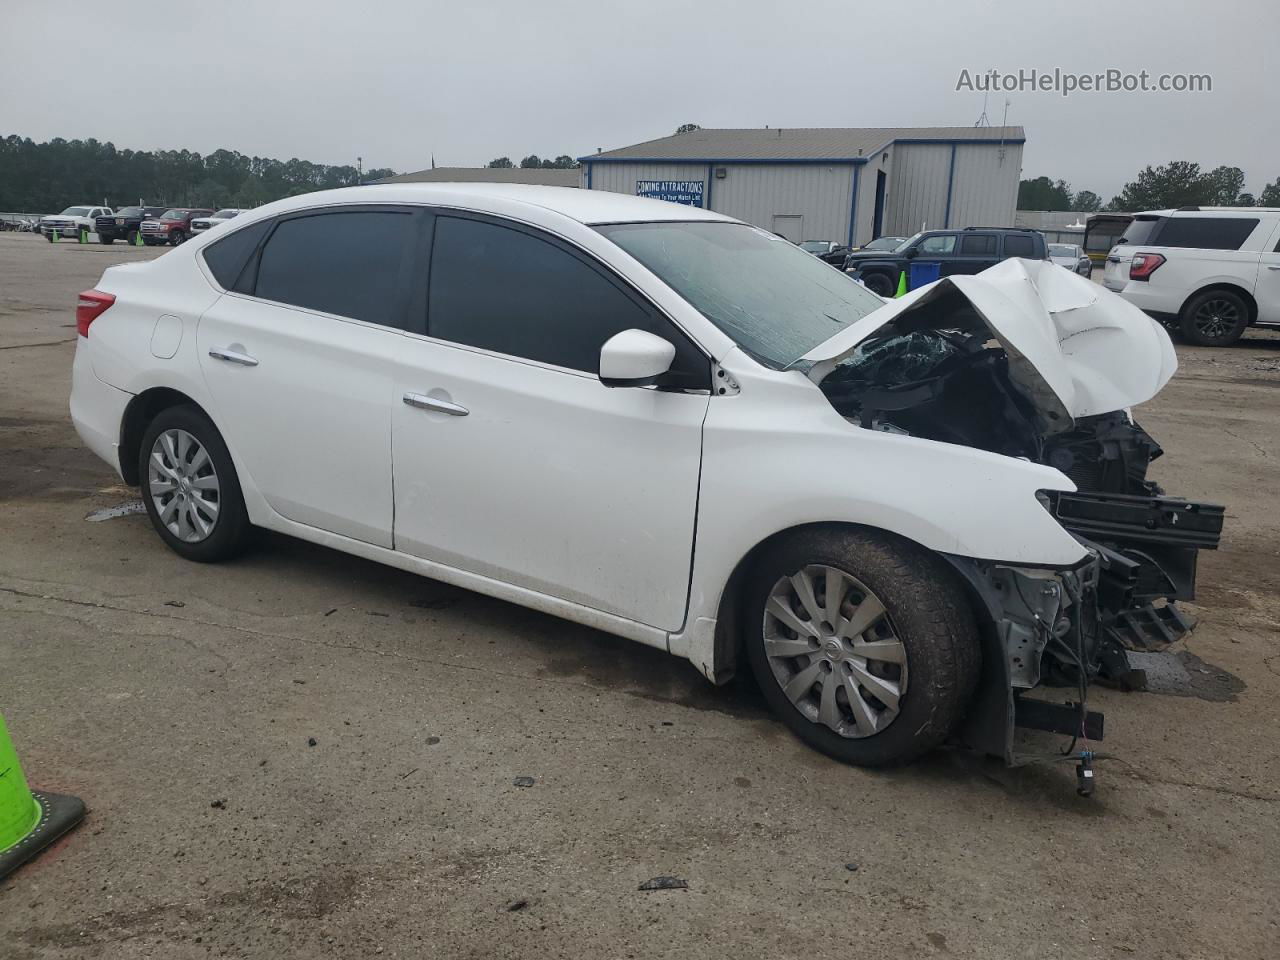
[[848, 185]]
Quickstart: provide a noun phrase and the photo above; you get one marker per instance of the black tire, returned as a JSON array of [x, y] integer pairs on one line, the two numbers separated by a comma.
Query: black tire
[[49, 237], [1215, 318], [231, 532], [177, 237], [106, 240], [879, 283], [926, 610]]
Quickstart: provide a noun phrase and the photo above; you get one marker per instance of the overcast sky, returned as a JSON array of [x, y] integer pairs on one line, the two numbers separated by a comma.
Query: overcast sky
[[395, 81]]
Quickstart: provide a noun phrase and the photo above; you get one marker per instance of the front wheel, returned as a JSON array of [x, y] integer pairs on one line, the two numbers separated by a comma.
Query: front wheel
[[190, 487], [863, 644], [1215, 318], [177, 237], [879, 283], [106, 240]]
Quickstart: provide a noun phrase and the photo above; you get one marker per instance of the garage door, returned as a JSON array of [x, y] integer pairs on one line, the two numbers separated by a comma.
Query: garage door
[[789, 227]]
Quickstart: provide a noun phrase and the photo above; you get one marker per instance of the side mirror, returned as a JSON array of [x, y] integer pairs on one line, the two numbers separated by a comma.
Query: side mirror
[[911, 253], [634, 358]]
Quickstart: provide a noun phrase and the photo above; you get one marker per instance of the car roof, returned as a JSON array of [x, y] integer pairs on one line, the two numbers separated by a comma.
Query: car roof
[[585, 206]]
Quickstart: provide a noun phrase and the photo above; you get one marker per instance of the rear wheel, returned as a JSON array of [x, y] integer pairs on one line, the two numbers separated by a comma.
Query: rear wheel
[[1215, 318], [879, 283], [190, 487], [863, 644]]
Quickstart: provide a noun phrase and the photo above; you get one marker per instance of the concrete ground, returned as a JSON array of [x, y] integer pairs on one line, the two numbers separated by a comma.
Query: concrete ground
[[181, 703]]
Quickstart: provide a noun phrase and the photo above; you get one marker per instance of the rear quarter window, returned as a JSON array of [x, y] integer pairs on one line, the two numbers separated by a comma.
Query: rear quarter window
[[1141, 230], [1205, 233], [226, 258]]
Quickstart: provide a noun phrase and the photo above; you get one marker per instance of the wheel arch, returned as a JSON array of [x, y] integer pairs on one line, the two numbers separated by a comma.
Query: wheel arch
[[1229, 287], [730, 614], [142, 409]]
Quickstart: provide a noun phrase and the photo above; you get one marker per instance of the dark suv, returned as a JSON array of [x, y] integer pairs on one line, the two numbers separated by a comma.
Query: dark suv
[[970, 250], [124, 223]]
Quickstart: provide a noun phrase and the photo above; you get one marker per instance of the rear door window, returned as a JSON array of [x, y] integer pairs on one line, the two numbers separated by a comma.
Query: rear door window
[[1017, 245], [978, 245], [1206, 233], [349, 263]]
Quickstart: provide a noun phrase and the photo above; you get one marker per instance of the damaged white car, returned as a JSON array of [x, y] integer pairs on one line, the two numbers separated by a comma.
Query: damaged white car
[[674, 427]]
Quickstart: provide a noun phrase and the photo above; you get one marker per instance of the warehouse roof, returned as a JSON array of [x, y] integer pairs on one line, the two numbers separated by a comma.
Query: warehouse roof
[[536, 175], [799, 143]]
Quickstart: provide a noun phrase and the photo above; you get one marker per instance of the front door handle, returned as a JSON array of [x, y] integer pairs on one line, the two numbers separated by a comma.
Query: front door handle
[[233, 356], [423, 402], [1273, 266]]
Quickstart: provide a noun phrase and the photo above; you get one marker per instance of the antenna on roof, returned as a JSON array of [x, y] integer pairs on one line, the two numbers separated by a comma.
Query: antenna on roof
[[982, 118], [1004, 125]]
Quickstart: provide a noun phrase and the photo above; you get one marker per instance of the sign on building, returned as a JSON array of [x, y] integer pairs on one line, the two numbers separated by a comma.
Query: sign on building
[[688, 192]]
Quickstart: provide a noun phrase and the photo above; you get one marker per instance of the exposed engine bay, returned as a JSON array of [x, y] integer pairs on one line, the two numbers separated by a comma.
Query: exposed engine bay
[[1029, 361]]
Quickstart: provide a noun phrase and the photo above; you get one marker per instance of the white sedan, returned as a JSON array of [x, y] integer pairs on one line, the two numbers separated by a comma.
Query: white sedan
[[651, 419]]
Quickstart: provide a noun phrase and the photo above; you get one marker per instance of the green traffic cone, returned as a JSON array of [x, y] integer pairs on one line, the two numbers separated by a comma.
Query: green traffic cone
[[53, 236], [137, 237], [84, 235], [30, 820], [902, 285]]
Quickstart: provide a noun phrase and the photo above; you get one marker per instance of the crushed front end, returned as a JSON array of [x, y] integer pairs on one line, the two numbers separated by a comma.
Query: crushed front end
[[1029, 361]]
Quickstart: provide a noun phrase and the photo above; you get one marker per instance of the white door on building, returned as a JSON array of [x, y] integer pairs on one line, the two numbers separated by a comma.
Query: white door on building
[[789, 226]]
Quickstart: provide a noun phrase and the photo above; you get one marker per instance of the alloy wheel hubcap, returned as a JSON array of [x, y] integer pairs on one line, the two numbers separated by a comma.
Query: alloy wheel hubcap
[[1216, 318], [183, 486], [834, 651]]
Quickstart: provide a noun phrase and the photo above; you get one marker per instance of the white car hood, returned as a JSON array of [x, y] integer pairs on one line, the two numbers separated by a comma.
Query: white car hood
[[1075, 349]]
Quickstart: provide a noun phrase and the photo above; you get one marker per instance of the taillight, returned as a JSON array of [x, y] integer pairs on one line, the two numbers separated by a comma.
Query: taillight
[[1144, 265], [92, 305]]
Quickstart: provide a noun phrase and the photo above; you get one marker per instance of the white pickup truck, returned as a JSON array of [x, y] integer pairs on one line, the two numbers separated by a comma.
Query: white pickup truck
[[1211, 272], [71, 221]]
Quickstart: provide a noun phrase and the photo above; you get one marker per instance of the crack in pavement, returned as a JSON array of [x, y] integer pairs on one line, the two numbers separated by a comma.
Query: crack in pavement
[[45, 343]]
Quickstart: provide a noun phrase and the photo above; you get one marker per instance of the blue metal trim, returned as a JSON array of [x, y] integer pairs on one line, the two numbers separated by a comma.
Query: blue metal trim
[[853, 207], [706, 194], [587, 164], [951, 179]]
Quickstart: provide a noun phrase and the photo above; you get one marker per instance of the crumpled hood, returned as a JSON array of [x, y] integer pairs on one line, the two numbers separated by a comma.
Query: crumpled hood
[[1075, 349]]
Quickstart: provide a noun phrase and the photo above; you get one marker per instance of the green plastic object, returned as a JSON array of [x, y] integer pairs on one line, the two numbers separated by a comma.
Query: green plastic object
[[19, 811], [84, 235], [902, 285], [30, 820]]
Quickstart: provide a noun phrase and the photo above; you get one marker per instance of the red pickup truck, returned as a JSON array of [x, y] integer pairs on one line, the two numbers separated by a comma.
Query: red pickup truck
[[172, 227]]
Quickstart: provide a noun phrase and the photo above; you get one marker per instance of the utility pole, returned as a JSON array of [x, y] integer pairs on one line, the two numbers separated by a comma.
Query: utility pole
[[359, 170]]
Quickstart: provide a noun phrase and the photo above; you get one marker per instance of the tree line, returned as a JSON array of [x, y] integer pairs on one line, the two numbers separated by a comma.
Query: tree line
[[46, 177], [534, 162], [1176, 184]]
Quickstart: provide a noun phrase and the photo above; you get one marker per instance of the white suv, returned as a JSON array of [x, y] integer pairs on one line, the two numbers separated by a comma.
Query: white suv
[[1212, 271]]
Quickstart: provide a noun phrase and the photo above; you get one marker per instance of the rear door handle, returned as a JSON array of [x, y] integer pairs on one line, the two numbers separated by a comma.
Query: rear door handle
[[1273, 266], [233, 356], [423, 402]]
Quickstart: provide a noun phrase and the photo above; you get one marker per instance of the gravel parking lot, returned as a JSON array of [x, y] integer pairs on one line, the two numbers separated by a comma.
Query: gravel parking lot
[[304, 754]]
